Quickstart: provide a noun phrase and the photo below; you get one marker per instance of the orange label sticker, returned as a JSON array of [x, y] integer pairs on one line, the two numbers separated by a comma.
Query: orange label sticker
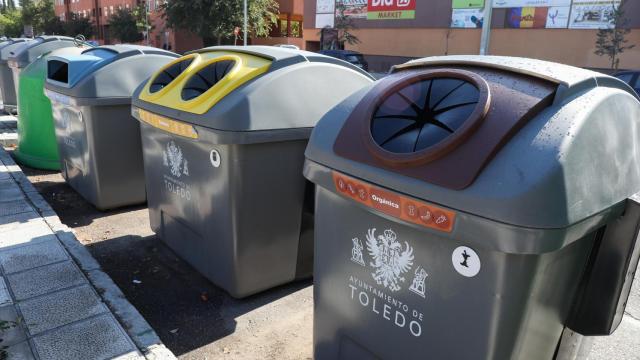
[[396, 205], [166, 124]]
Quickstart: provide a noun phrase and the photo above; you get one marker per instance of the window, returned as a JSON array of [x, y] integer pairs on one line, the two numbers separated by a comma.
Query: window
[[626, 77]]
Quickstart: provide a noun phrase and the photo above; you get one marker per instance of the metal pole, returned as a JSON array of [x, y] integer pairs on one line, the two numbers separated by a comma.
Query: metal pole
[[146, 19], [246, 23], [486, 27]]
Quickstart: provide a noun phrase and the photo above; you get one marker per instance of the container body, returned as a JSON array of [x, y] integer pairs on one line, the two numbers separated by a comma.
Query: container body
[[100, 153], [9, 98], [37, 145], [236, 212], [15, 72], [372, 303]]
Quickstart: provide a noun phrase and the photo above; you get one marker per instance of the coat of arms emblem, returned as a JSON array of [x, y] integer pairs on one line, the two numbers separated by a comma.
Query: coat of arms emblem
[[356, 252], [173, 158], [418, 286], [390, 259]]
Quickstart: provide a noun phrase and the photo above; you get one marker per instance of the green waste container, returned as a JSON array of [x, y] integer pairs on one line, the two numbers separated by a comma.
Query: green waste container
[[37, 146]]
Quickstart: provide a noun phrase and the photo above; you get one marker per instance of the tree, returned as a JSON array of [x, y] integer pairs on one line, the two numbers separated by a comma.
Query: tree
[[77, 25], [215, 20], [612, 41], [40, 15], [11, 23], [344, 25], [143, 24], [54, 26], [123, 26]]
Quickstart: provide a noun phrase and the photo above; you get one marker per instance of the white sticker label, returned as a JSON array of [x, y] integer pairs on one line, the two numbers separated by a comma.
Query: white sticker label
[[214, 156], [466, 261]]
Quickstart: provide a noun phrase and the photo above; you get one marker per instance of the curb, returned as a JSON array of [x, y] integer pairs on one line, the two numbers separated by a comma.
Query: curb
[[138, 329]]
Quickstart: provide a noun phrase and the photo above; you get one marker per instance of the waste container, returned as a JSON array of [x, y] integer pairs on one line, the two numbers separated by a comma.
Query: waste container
[[472, 208], [25, 55], [98, 140], [224, 131], [7, 88], [37, 145]]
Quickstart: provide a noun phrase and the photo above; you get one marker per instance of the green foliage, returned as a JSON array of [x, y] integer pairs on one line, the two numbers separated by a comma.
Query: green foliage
[[78, 25], [41, 16], [123, 26], [612, 42], [345, 25], [142, 18], [11, 23], [215, 20]]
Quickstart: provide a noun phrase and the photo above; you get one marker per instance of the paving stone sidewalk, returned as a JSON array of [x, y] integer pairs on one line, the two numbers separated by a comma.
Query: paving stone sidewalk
[[8, 130], [55, 301]]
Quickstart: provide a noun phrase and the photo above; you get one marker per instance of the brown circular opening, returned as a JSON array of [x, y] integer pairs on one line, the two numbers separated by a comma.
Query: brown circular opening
[[417, 117]]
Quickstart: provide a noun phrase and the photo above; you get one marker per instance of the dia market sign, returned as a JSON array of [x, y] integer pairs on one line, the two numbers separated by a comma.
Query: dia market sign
[[391, 9]]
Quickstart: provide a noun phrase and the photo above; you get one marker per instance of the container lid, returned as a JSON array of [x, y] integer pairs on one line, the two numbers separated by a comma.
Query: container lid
[[38, 68], [254, 88], [513, 140], [23, 56], [15, 45], [117, 69]]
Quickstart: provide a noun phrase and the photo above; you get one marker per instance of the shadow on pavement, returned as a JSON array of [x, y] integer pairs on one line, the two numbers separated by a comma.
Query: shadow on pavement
[[183, 307], [72, 208]]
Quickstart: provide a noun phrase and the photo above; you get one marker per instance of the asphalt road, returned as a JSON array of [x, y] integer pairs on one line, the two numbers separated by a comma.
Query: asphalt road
[[195, 319]]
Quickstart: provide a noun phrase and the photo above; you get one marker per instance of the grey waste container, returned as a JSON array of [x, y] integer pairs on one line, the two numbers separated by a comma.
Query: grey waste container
[[474, 208], [7, 87], [98, 140], [25, 55], [223, 150]]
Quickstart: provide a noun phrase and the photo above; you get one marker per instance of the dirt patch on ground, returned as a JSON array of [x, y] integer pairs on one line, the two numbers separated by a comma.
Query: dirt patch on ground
[[195, 319]]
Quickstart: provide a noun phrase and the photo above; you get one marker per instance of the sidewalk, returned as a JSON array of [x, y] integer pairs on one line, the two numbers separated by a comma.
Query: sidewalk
[[8, 130], [55, 301]]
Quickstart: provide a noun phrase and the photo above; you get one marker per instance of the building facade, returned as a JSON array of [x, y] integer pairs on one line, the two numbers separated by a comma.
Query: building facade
[[427, 28], [98, 11], [288, 30]]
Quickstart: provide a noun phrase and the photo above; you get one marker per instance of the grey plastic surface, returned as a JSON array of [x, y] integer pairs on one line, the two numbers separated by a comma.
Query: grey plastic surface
[[547, 222], [282, 57], [23, 56], [245, 221], [572, 80], [98, 140], [108, 77], [582, 153], [290, 97], [514, 308], [7, 87], [100, 153], [612, 267]]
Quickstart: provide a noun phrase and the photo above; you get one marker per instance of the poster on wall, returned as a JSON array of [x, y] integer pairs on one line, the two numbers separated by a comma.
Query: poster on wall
[[529, 3], [558, 17], [467, 4], [527, 17], [391, 9], [592, 14], [467, 18], [325, 20], [354, 8], [325, 6]]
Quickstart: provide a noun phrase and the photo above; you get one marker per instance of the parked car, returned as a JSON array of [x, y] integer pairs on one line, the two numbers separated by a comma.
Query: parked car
[[353, 57], [630, 77]]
